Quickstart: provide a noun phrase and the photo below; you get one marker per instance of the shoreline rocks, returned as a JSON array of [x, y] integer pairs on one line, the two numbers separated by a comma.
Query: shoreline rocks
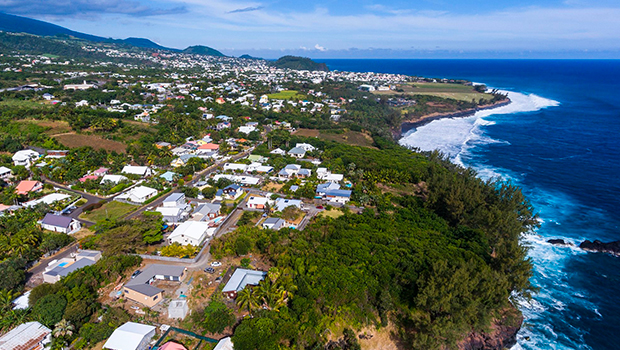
[[597, 246], [560, 242]]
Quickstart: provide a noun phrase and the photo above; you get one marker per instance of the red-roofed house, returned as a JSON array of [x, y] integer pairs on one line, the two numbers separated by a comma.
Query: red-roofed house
[[26, 186], [209, 146], [172, 346], [88, 177]]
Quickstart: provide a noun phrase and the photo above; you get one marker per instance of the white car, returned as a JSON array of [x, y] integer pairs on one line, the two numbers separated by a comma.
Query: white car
[[216, 264]]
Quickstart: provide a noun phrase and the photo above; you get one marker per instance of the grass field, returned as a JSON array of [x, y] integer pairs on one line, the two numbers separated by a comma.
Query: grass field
[[333, 213], [78, 140], [287, 95], [454, 91], [53, 127], [112, 210], [23, 103], [353, 138]]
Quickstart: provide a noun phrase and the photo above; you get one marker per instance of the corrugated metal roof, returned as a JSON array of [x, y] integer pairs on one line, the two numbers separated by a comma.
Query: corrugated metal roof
[[24, 337]]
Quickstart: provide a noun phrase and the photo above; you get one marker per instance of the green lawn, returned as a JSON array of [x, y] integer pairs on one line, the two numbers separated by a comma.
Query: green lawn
[[112, 210], [23, 103], [453, 91], [286, 95]]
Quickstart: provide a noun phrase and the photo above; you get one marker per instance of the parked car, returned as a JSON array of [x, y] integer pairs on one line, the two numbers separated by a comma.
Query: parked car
[[216, 264], [210, 270], [135, 273], [319, 207], [219, 279]]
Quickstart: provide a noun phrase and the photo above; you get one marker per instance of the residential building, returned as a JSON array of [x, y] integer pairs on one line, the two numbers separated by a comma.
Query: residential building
[[172, 215], [83, 86], [58, 269], [337, 196], [297, 152], [235, 167], [59, 223], [169, 176], [115, 179], [5, 173], [130, 336], [206, 211], [142, 171], [172, 345], [175, 200], [283, 203], [25, 157], [224, 344], [233, 191], [26, 186], [191, 232], [255, 202], [139, 289], [57, 154], [138, 194], [26, 336], [274, 223], [49, 199], [306, 147], [240, 279], [321, 189], [304, 173], [278, 151]]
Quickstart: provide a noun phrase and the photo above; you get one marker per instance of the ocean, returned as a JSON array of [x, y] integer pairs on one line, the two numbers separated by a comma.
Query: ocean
[[559, 140]]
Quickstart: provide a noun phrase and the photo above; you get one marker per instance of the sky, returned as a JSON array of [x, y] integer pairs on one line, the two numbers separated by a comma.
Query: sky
[[350, 29]]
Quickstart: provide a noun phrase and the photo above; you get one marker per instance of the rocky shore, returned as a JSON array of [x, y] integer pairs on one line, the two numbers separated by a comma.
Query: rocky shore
[[501, 335], [597, 246], [425, 119]]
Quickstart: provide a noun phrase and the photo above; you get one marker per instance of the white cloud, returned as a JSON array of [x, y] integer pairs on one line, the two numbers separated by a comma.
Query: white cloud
[[319, 47]]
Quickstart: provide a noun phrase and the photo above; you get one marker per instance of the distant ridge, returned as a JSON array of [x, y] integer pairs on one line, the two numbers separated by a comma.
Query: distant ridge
[[300, 63], [202, 50], [19, 24]]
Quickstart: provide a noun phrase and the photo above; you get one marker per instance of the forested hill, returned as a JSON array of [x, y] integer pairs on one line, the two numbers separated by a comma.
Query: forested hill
[[435, 254], [203, 50], [299, 63]]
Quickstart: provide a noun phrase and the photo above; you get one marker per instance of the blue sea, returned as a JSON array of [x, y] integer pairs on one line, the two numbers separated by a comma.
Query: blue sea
[[559, 140]]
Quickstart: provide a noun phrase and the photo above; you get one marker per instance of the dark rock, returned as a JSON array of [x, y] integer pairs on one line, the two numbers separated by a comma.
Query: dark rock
[[557, 241], [597, 246], [501, 335]]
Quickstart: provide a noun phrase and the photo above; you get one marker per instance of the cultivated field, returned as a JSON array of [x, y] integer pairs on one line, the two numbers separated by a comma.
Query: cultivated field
[[353, 138], [286, 95], [454, 91], [72, 140]]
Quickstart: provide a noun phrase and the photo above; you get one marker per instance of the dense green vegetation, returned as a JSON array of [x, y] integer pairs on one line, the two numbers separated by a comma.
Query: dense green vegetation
[[299, 63], [202, 50], [441, 263]]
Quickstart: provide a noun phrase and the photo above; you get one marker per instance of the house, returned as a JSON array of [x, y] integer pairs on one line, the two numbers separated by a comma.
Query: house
[[48, 96], [206, 211], [58, 269], [208, 147], [283, 203], [289, 171], [138, 194], [142, 171], [25, 157], [170, 345], [255, 158], [306, 147], [26, 336], [175, 200], [114, 179], [304, 173], [244, 180], [5, 173], [139, 289], [49, 199], [256, 202], [130, 336], [274, 224], [278, 152], [169, 176], [59, 223], [191, 232], [163, 145], [26, 186], [323, 188], [88, 177], [337, 196], [172, 215], [297, 152], [246, 129], [240, 279], [235, 167], [83, 86], [232, 192], [224, 344], [57, 153], [223, 125], [259, 168], [177, 309], [101, 172]]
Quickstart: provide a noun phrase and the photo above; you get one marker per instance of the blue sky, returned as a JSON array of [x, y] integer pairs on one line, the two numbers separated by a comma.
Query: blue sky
[[355, 28]]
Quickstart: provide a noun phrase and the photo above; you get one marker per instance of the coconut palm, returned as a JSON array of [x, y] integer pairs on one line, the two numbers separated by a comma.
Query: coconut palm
[[6, 300], [247, 299], [62, 329]]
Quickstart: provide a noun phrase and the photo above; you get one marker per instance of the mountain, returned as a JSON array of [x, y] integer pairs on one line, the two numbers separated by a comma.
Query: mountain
[[19, 24], [299, 63], [202, 50], [248, 57]]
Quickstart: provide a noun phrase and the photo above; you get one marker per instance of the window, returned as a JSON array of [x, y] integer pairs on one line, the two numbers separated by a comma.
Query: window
[[155, 297]]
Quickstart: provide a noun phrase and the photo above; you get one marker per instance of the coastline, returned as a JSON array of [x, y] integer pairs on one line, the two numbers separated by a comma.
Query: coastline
[[408, 125]]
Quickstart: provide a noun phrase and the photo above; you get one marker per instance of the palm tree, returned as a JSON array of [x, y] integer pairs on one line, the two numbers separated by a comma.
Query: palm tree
[[6, 299], [62, 329], [247, 299]]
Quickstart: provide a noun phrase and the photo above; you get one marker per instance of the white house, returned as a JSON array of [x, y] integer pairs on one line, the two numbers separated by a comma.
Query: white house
[[337, 196], [278, 152], [274, 224], [224, 344], [297, 152], [172, 215], [115, 179], [246, 129], [259, 168], [143, 171], [175, 200], [138, 194], [191, 232], [59, 223], [26, 336], [256, 202], [235, 167], [5, 173], [306, 146], [130, 336], [283, 203], [25, 157], [58, 269]]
